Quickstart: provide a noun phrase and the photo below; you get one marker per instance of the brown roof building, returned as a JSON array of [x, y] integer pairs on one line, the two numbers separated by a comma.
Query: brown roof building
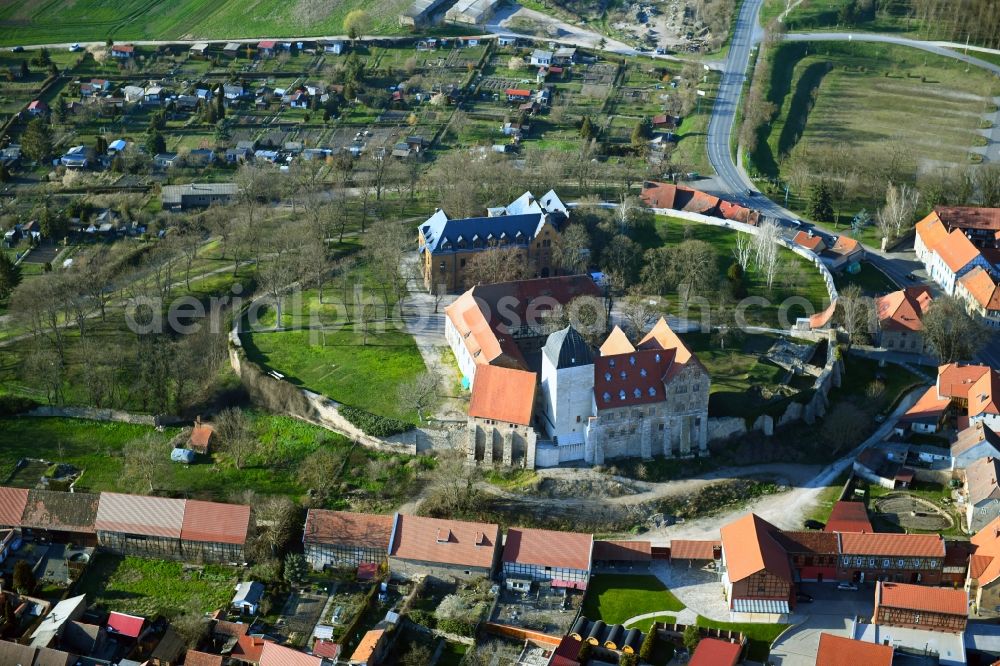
[[703, 551], [756, 572], [809, 241], [848, 517], [195, 658], [983, 492], [54, 511], [611, 553], [903, 310], [839, 651], [443, 548], [346, 539], [548, 555], [920, 607], [12, 504], [503, 394]]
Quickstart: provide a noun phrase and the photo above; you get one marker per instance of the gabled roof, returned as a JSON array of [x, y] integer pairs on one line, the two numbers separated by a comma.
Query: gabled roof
[[922, 598], [125, 625], [818, 543], [266, 44], [666, 195], [503, 394], [195, 658], [981, 480], [715, 652], [201, 434], [661, 336], [982, 288], [955, 379], [931, 232], [366, 647], [985, 562], [839, 651], [622, 551], [138, 514], [439, 231], [442, 541], [12, 503], [616, 343], [635, 378], [845, 245], [848, 517], [809, 241], [984, 394], [279, 655], [215, 523], [892, 545], [249, 648], [482, 342], [903, 310], [750, 547], [548, 548], [957, 251], [929, 408], [973, 436], [968, 217], [61, 511], [685, 549], [358, 530]]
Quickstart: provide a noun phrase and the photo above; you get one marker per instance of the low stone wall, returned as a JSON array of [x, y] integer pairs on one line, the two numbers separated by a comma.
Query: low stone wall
[[724, 427], [281, 397], [117, 415]]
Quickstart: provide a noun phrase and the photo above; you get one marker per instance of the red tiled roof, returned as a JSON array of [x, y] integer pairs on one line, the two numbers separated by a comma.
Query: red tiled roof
[[442, 541], [820, 543], [982, 288], [567, 652], [123, 48], [366, 648], [248, 648], [929, 407], [12, 503], [195, 658], [266, 44], [839, 651], [201, 437], [982, 395], [503, 394], [683, 549], [622, 551], [750, 547], [358, 530], [633, 378], [903, 310], [845, 245], [957, 251], [517, 92], [234, 629], [978, 565], [968, 217], [665, 195], [138, 514], [809, 241], [715, 652], [738, 213], [981, 480], [892, 545], [325, 648], [215, 523], [922, 598], [848, 517], [548, 548], [279, 655], [125, 625], [955, 379]]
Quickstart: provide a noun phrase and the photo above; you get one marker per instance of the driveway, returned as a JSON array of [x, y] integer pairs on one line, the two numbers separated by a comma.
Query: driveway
[[832, 611], [699, 589]]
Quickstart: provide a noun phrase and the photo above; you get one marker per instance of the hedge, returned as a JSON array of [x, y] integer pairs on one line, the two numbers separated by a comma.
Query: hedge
[[373, 424], [11, 405]]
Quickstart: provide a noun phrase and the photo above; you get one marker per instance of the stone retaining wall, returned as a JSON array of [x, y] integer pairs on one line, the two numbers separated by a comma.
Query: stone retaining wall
[[117, 415]]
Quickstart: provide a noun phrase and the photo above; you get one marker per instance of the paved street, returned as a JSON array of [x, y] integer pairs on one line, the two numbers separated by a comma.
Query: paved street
[[831, 611]]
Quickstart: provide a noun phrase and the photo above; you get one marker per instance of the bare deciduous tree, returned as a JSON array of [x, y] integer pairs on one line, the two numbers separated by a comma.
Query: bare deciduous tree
[[743, 250], [897, 213], [419, 393], [237, 435], [766, 250], [497, 264], [693, 268], [145, 462], [857, 314], [953, 333], [637, 312]]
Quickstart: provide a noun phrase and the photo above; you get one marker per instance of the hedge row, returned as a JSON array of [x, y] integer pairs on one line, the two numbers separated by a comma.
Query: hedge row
[[373, 424]]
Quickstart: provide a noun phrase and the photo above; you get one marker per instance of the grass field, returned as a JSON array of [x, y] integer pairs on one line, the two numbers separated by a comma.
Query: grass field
[[615, 598], [28, 22], [846, 115], [871, 280], [760, 636], [797, 277], [148, 588]]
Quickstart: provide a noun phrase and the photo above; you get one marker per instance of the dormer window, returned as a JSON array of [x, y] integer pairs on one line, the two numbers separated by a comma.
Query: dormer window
[[643, 372], [606, 396], [611, 363], [444, 535], [631, 360], [637, 393], [652, 391], [481, 539], [623, 375], [657, 358], [621, 395], [607, 376]]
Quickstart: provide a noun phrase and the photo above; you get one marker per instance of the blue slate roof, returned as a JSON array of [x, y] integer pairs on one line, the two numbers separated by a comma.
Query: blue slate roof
[[438, 231]]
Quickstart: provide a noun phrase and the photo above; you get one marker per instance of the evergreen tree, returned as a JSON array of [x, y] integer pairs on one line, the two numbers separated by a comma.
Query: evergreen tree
[[155, 142], [36, 142], [4, 174], [10, 275], [220, 104], [821, 204], [24, 69], [101, 145], [586, 129], [117, 164], [24, 578]]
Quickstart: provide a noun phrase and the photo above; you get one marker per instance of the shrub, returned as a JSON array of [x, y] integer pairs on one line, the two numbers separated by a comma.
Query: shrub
[[423, 618], [11, 405], [456, 626], [648, 644], [373, 424]]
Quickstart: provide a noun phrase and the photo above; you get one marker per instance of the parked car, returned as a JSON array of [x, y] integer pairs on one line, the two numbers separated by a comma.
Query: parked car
[[18, 49], [814, 525], [847, 586], [803, 598]]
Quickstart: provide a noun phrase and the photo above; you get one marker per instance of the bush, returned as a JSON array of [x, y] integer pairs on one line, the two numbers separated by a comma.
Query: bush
[[423, 618], [456, 626], [11, 405], [373, 424]]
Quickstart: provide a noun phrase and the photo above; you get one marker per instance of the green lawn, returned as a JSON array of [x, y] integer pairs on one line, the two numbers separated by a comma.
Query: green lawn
[[846, 116], [871, 280], [827, 498], [149, 588], [797, 277], [338, 365], [760, 636], [615, 598]]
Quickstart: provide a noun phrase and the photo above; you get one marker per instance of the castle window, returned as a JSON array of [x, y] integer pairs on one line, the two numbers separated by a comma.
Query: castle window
[[621, 395], [607, 376], [631, 359], [611, 363], [643, 372], [606, 396], [637, 393], [652, 391], [657, 358], [623, 375]]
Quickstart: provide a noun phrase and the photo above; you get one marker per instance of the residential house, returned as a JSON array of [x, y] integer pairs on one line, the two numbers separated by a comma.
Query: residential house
[[920, 607], [500, 422], [196, 658], [133, 94], [327, 649], [664, 121], [540, 57], [231, 49], [848, 517], [200, 157], [61, 517], [154, 95], [371, 649], [900, 315], [982, 492], [530, 224], [910, 558], [214, 532], [982, 405], [983, 581], [946, 255], [140, 525], [678, 197], [974, 443], [54, 624], [266, 48], [716, 652], [299, 99], [196, 195], [38, 108], [166, 160], [479, 334], [444, 549], [123, 51], [233, 92], [247, 598], [346, 539], [279, 655], [839, 651], [560, 558], [243, 152], [564, 55], [981, 295], [926, 415], [755, 571], [844, 252], [517, 94]]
